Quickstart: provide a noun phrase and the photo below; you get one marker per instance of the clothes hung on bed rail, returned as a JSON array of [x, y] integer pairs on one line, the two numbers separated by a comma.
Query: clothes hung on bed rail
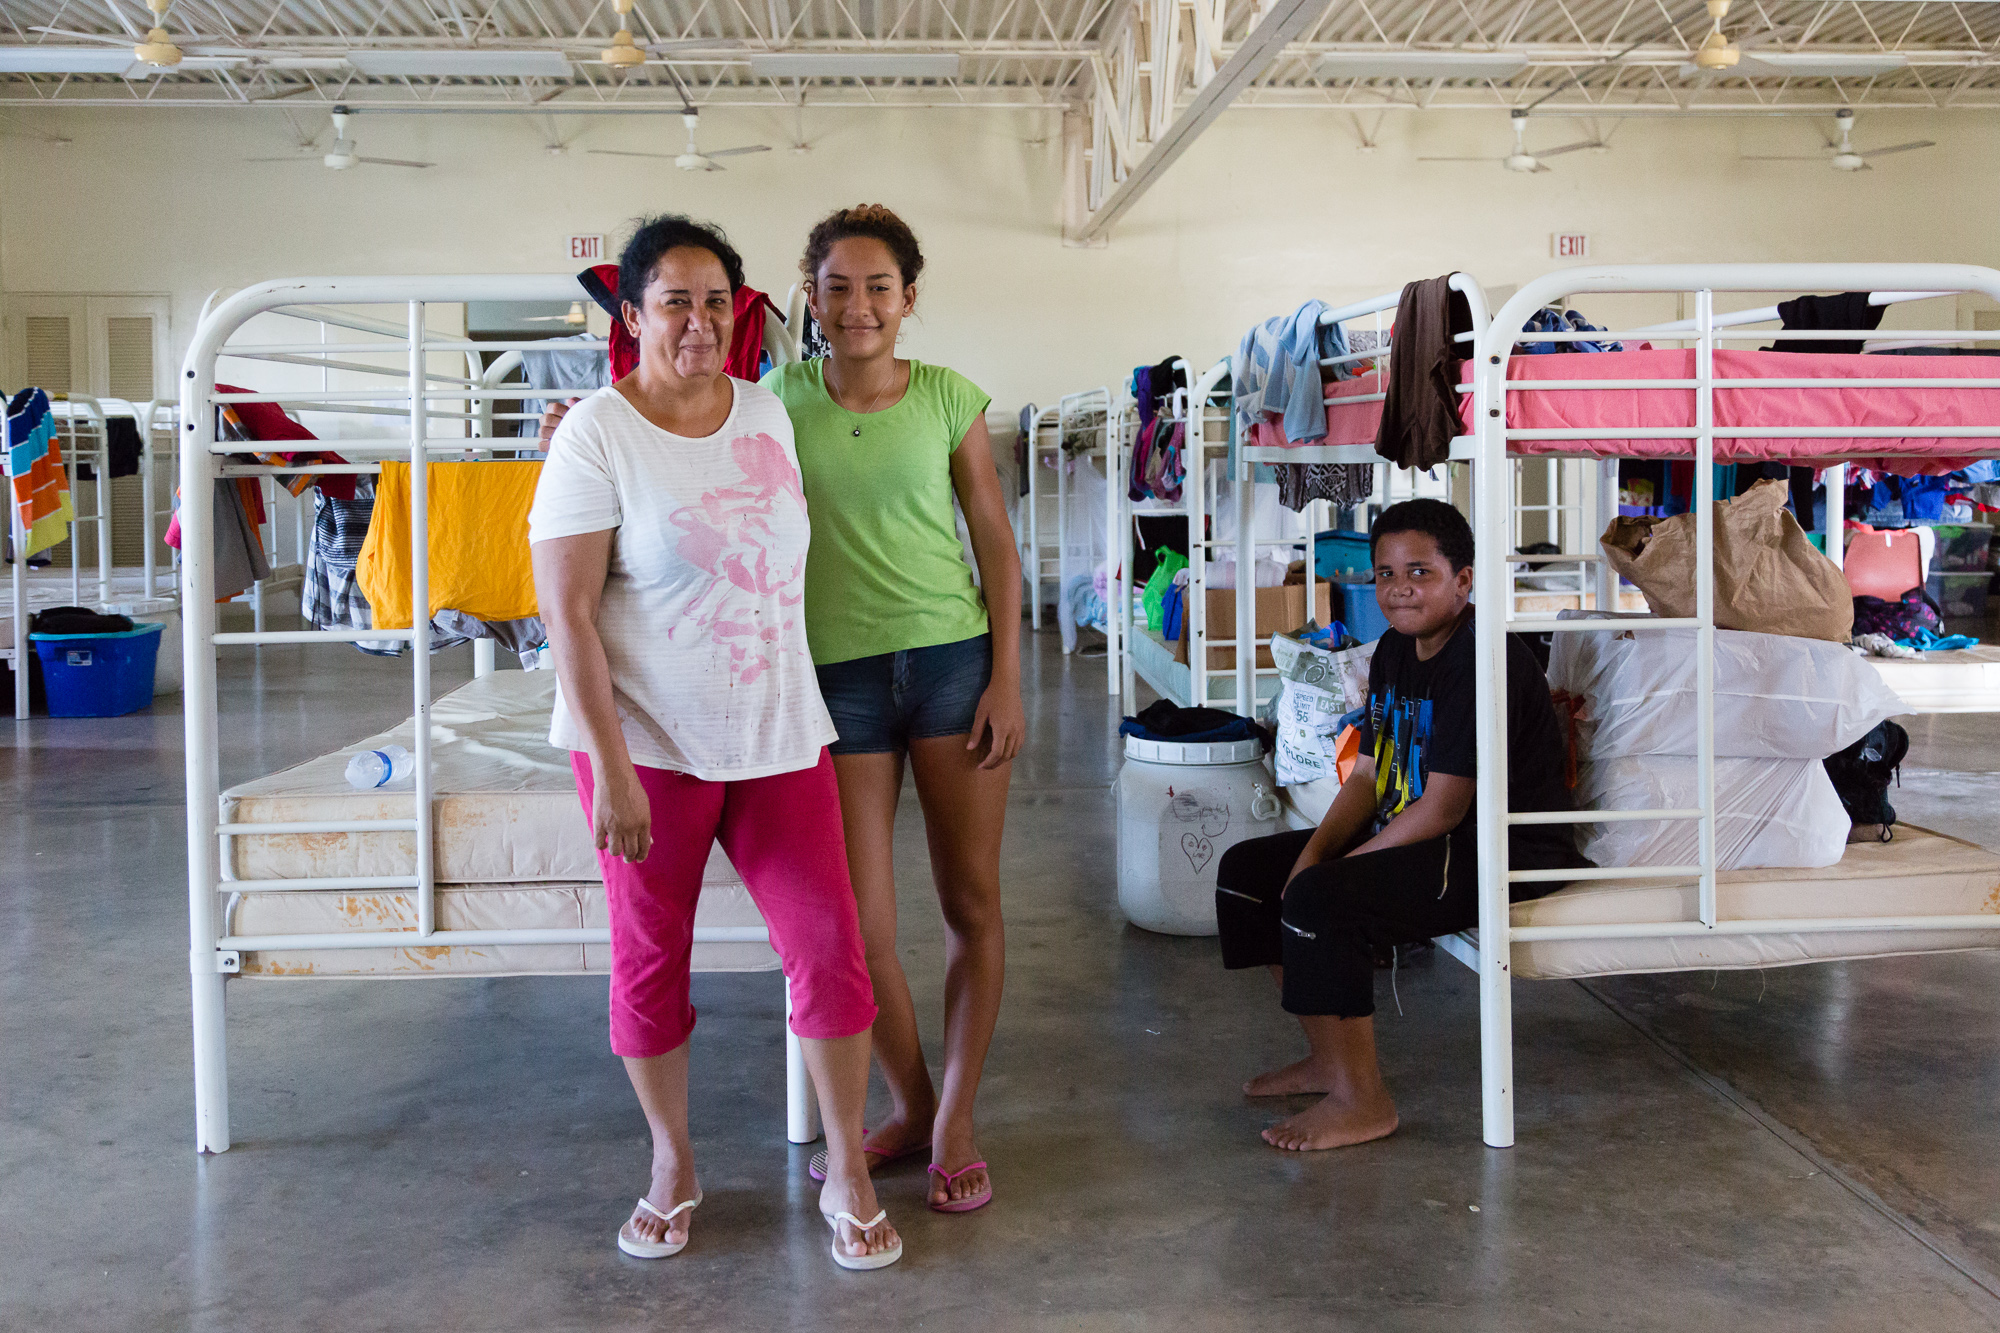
[[38, 484], [1276, 375], [479, 562], [1420, 412]]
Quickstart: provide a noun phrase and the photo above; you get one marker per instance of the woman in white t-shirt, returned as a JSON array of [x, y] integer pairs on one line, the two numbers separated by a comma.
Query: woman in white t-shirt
[[669, 536]]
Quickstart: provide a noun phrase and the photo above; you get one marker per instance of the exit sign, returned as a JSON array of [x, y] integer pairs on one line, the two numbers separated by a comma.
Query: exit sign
[[586, 249], [1569, 245]]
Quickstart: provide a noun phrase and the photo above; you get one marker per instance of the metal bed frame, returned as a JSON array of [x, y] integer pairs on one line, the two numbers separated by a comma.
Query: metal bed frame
[[461, 402], [1489, 948]]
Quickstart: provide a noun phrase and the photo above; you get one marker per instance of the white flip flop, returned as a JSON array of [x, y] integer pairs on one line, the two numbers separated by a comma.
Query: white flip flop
[[658, 1249], [881, 1259]]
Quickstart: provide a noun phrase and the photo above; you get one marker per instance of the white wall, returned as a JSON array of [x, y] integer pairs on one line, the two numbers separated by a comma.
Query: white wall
[[1268, 208]]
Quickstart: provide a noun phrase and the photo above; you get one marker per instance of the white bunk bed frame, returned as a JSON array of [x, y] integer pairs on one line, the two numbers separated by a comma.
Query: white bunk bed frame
[[1488, 949], [214, 954], [1037, 568], [85, 438], [1497, 509]]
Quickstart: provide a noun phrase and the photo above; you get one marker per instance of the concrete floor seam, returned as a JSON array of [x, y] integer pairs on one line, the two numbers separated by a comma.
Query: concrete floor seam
[[1798, 1143]]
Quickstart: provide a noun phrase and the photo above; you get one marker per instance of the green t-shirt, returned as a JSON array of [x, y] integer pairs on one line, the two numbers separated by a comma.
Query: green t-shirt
[[886, 570]]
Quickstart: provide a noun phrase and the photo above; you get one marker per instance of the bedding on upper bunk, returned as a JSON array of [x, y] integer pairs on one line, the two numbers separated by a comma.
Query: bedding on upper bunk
[[1776, 408]]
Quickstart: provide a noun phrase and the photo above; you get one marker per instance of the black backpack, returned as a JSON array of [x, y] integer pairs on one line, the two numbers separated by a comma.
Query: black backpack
[[1861, 775], [78, 620]]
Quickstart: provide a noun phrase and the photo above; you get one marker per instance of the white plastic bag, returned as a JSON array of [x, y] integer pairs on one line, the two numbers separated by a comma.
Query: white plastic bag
[[1768, 813], [1316, 689], [1083, 550], [1777, 696]]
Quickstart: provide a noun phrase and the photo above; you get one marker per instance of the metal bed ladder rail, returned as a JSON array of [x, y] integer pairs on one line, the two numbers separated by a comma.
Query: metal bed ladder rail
[[213, 953], [1491, 523]]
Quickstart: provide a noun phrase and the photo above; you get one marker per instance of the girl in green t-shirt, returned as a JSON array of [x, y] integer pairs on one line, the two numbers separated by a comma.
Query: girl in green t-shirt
[[914, 659]]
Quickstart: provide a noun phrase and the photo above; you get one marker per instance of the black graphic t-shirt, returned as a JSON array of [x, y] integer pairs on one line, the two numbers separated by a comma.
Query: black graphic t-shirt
[[1420, 721]]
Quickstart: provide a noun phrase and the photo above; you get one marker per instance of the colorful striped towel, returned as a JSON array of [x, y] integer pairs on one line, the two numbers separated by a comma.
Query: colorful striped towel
[[40, 484]]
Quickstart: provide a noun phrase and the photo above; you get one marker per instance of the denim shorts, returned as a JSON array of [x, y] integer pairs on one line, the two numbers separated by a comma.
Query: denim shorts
[[882, 703]]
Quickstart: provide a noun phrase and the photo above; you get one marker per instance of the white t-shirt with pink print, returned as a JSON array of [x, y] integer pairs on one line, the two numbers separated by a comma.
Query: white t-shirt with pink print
[[701, 616]]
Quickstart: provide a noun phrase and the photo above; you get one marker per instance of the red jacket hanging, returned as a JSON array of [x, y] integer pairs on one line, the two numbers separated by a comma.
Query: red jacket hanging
[[746, 341]]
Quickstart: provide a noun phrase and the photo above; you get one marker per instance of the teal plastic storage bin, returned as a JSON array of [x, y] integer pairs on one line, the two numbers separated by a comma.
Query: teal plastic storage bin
[[1341, 552], [99, 675], [1358, 611]]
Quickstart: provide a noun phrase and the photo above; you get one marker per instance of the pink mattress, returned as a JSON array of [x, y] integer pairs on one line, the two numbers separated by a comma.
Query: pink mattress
[[1613, 409]]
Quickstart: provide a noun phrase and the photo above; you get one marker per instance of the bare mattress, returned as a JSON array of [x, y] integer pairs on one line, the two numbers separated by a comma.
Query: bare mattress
[[511, 851], [1919, 874]]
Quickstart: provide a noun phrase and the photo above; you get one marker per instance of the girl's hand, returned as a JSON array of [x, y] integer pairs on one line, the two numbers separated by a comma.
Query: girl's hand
[[1000, 711], [621, 818], [552, 416]]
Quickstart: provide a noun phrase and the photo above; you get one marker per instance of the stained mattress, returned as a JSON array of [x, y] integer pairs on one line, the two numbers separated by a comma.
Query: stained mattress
[[469, 907], [504, 805], [511, 852], [1919, 874]]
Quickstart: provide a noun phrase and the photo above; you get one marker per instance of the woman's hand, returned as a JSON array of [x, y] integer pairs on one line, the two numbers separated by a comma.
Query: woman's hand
[[552, 416], [621, 818], [1000, 711]]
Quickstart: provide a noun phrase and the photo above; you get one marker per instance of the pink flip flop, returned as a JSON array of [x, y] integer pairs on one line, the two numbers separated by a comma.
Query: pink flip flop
[[816, 1165], [970, 1202]]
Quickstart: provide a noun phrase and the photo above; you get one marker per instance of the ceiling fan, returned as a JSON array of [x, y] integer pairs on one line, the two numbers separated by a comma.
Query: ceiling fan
[[693, 159], [1844, 158], [157, 49], [341, 155], [1718, 52], [574, 317], [1521, 159]]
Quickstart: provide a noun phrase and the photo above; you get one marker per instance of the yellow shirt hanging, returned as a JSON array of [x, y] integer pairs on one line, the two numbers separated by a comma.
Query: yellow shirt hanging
[[479, 562]]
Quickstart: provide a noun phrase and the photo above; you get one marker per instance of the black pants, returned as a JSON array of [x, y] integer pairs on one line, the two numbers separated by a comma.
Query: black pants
[[1326, 926]]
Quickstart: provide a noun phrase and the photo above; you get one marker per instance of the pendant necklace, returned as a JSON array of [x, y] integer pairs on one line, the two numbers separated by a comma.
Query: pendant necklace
[[876, 401]]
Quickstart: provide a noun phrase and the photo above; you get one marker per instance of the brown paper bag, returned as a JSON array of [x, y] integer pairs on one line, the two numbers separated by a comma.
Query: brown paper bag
[[1768, 576]]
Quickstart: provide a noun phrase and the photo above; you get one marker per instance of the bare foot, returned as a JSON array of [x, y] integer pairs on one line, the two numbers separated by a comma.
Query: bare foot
[[952, 1149], [673, 1183], [856, 1197], [1338, 1121], [893, 1138], [1295, 1078]]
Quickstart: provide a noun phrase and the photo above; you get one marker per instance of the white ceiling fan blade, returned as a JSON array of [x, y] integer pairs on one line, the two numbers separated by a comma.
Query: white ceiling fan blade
[[626, 152], [1461, 159], [393, 162], [1538, 168], [695, 44], [738, 152], [1900, 148], [1788, 157], [1569, 147]]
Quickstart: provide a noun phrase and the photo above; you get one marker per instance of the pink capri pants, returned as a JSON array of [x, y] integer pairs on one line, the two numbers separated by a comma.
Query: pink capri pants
[[783, 835]]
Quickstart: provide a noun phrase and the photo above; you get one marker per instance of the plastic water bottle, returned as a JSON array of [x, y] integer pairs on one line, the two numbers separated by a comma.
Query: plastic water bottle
[[379, 768]]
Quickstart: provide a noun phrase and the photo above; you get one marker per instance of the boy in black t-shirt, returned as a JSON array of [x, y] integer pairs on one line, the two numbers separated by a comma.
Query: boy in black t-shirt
[[1395, 859]]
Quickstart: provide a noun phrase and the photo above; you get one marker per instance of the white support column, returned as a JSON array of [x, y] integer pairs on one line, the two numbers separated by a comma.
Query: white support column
[[1114, 572], [1704, 593], [20, 574], [1836, 514], [1491, 520], [801, 1105], [201, 746], [420, 620]]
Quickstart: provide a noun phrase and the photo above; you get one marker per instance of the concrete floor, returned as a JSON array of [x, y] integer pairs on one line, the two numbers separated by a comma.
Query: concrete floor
[[1812, 1148]]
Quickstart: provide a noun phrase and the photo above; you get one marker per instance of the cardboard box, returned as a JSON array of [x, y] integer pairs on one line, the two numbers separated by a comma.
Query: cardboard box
[[1277, 610]]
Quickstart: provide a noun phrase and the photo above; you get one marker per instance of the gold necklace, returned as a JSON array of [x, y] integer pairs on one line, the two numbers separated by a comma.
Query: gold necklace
[[874, 402]]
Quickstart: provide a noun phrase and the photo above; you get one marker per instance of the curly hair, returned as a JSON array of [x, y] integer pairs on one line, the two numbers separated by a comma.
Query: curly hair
[[1434, 519], [875, 221], [669, 231]]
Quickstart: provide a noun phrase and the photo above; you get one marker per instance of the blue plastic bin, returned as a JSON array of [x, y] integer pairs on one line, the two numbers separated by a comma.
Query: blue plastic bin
[[1337, 551], [1358, 610], [99, 675]]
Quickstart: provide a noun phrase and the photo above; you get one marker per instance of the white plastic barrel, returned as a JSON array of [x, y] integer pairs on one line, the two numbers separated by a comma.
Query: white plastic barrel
[[1180, 807]]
